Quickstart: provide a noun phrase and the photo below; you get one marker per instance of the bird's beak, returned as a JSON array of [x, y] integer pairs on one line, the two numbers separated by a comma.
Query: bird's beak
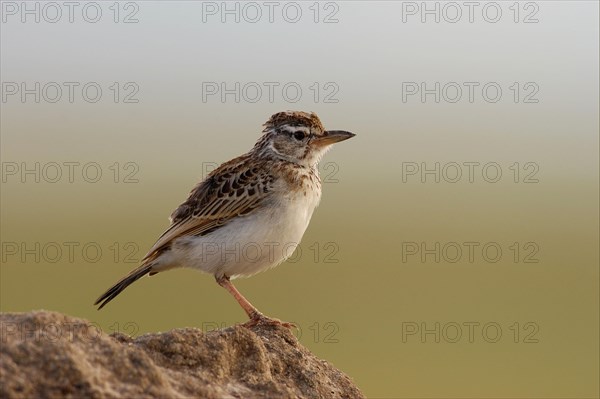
[[332, 136]]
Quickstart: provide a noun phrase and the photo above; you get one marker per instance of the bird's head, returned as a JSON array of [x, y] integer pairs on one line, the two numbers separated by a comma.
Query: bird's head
[[298, 137]]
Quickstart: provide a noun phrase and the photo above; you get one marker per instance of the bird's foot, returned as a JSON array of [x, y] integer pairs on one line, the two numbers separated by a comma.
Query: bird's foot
[[261, 319]]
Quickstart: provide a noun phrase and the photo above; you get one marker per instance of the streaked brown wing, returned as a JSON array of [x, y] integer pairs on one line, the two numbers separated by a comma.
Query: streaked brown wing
[[235, 188]]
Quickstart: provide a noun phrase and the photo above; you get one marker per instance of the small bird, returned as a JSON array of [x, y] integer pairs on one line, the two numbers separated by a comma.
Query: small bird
[[249, 214]]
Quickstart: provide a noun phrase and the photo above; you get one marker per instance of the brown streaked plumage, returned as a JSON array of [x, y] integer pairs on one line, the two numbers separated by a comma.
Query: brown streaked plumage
[[261, 197]]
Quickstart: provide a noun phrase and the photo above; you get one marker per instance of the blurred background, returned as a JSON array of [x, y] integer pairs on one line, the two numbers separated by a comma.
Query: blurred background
[[455, 251]]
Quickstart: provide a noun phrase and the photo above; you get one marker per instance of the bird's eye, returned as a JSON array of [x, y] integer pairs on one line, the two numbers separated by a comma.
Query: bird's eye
[[299, 135]]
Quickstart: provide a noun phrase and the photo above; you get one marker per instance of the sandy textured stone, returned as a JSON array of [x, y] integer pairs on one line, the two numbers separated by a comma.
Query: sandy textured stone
[[47, 354]]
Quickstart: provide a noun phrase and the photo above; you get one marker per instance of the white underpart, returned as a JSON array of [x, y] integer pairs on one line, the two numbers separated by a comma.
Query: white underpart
[[250, 244], [317, 156]]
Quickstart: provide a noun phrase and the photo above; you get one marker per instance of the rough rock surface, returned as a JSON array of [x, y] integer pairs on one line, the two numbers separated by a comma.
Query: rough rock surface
[[47, 354]]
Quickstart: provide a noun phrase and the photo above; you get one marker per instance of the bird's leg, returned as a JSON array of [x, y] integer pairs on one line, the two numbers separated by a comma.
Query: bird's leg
[[250, 310], [254, 314]]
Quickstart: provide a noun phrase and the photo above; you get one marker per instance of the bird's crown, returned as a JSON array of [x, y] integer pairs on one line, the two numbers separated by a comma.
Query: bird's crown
[[294, 119]]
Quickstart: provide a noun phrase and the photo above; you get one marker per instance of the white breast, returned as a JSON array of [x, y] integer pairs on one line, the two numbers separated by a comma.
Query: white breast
[[253, 243]]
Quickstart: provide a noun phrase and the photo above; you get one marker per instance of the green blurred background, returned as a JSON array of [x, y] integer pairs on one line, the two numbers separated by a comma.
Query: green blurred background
[[361, 300]]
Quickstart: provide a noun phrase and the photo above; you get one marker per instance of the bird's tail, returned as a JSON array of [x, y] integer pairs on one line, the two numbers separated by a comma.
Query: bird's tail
[[125, 282]]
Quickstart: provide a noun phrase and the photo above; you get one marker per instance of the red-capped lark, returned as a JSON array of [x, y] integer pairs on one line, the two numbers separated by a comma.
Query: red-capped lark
[[249, 214]]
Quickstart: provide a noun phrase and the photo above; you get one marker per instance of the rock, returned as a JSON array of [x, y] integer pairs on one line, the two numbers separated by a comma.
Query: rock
[[48, 354]]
